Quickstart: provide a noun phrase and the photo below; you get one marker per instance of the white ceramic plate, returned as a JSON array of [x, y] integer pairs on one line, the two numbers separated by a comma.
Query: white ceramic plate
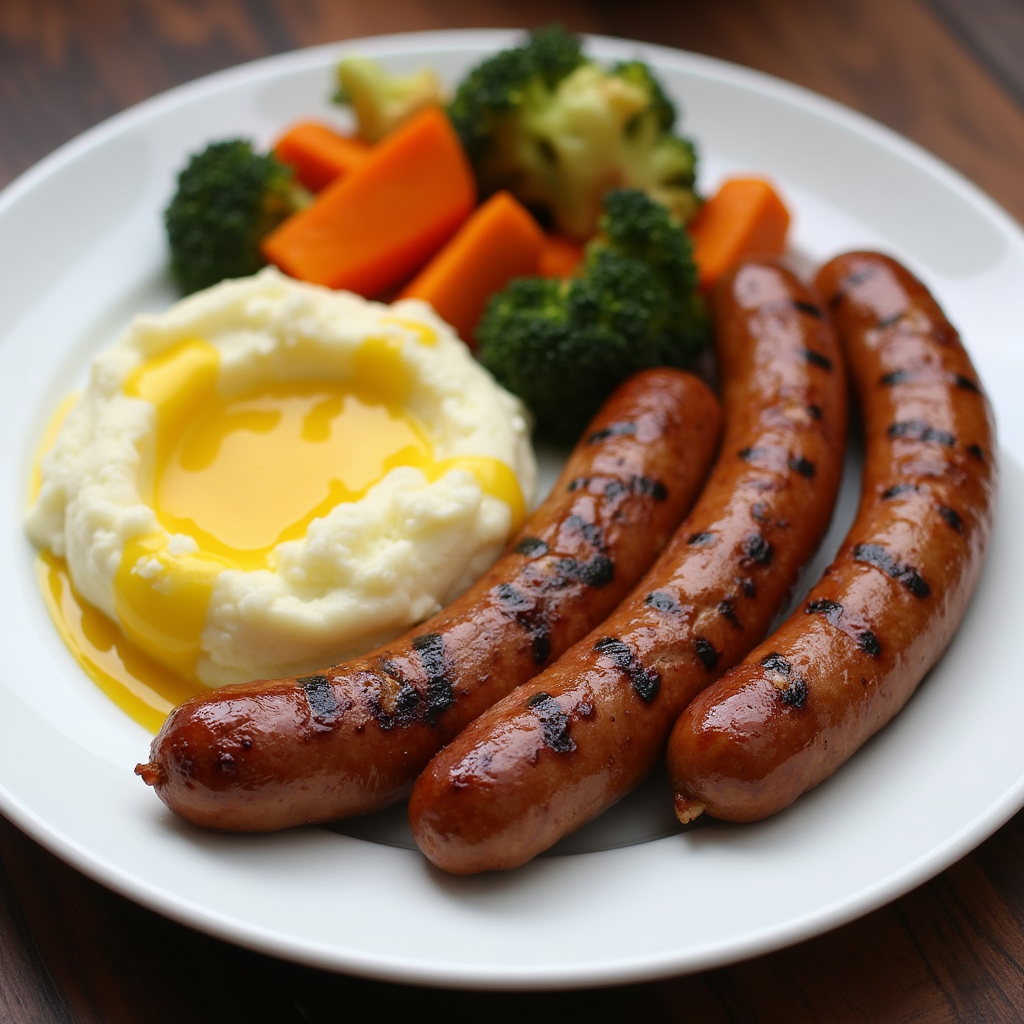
[[81, 250]]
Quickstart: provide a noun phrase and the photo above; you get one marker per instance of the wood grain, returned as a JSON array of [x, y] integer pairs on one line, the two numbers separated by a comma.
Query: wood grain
[[992, 30], [896, 62], [951, 951]]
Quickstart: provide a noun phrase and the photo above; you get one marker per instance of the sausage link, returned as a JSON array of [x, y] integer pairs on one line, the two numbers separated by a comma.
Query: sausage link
[[271, 754], [852, 654], [565, 746]]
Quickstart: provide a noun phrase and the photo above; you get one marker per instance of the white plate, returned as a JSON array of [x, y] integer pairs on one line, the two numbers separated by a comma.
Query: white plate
[[81, 249]]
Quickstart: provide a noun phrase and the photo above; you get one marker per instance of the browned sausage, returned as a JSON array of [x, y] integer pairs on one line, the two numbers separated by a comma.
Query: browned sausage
[[272, 754], [850, 657], [563, 747]]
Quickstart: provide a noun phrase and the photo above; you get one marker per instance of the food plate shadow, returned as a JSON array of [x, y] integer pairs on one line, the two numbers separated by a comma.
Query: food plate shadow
[[645, 815]]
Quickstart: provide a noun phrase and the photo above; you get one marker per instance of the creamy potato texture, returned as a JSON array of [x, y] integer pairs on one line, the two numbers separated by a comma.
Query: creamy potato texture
[[272, 476]]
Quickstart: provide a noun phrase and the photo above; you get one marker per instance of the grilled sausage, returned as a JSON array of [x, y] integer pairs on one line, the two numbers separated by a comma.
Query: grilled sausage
[[565, 746], [271, 754], [852, 654]]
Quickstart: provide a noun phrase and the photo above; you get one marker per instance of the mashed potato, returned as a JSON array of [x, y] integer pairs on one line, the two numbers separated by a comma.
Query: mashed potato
[[218, 540]]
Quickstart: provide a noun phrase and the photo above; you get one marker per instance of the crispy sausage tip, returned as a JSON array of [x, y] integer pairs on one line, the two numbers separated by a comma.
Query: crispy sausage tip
[[688, 810], [149, 773]]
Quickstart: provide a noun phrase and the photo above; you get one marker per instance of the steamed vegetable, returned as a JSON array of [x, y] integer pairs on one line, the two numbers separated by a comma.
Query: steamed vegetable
[[498, 242], [229, 197], [563, 345], [380, 100], [559, 256], [373, 228], [744, 217], [558, 130], [318, 154]]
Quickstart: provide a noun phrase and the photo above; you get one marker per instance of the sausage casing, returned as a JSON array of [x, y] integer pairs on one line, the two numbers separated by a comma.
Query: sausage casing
[[271, 754], [852, 654], [569, 743]]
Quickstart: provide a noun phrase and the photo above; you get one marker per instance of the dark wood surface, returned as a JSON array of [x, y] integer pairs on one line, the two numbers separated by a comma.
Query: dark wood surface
[[952, 950]]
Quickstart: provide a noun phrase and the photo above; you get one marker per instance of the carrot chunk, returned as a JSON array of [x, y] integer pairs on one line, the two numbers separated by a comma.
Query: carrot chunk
[[744, 217], [318, 154], [370, 230], [499, 241], [559, 256]]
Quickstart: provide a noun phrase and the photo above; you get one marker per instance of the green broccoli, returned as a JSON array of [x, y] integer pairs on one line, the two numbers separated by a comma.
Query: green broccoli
[[229, 197], [557, 130], [381, 101], [563, 346]]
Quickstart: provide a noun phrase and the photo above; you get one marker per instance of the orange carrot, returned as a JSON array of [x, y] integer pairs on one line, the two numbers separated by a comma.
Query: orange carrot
[[560, 256], [745, 216], [498, 242], [319, 154], [371, 229]]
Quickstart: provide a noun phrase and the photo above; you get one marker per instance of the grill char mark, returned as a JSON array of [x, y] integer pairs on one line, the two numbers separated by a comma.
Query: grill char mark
[[706, 652], [898, 490], [554, 723], [662, 601], [951, 517], [817, 359], [624, 428], [803, 466], [835, 613], [757, 549], [644, 681], [791, 686], [323, 704], [439, 694], [909, 577], [530, 616], [918, 430], [532, 547], [644, 486]]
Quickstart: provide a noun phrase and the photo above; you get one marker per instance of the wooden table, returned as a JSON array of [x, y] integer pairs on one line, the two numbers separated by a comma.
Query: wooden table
[[952, 950]]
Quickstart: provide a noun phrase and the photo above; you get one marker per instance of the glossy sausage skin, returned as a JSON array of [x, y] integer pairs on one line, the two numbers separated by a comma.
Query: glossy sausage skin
[[852, 654], [271, 754], [565, 746]]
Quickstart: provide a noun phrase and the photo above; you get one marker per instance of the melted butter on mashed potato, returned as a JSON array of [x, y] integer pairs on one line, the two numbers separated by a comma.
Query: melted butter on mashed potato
[[271, 476]]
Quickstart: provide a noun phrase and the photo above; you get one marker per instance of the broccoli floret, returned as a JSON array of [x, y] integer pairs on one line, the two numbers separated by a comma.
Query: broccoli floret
[[563, 346], [500, 85], [660, 109], [556, 129], [229, 197], [381, 101]]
